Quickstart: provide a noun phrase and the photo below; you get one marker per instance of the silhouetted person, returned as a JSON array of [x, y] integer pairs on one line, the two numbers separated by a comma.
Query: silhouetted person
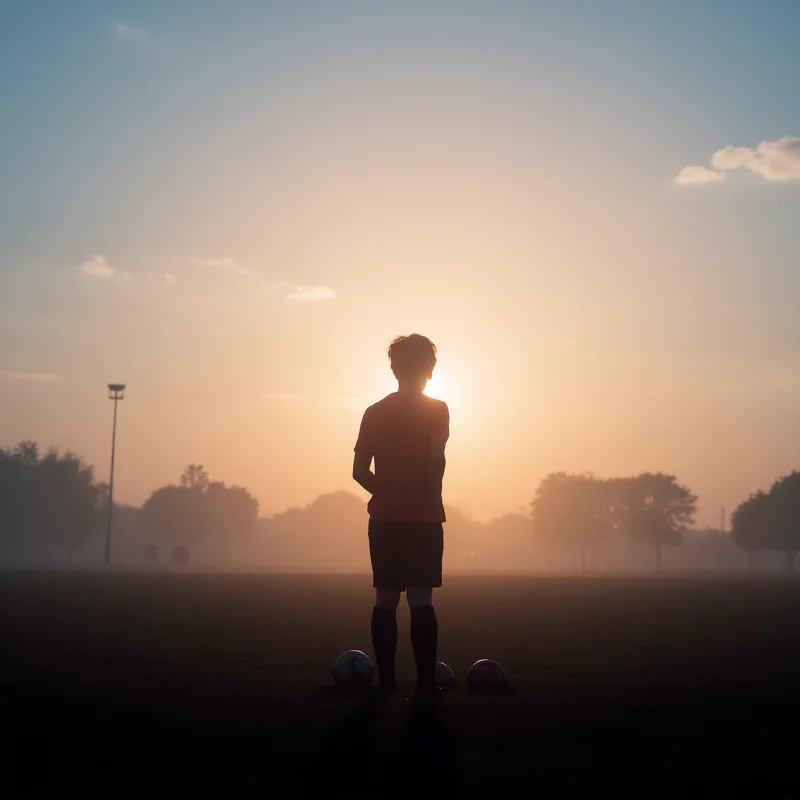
[[405, 433]]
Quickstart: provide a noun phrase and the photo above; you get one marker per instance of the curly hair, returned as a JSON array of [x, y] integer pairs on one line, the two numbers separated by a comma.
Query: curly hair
[[412, 356]]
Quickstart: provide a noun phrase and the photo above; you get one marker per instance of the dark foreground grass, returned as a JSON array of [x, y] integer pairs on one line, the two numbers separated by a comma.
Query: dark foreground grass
[[121, 684]]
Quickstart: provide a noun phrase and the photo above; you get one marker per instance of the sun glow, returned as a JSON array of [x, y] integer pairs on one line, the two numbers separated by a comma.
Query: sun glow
[[444, 385], [436, 388]]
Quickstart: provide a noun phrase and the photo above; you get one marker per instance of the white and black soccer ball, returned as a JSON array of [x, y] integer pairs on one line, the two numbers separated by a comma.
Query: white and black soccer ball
[[487, 677], [353, 668]]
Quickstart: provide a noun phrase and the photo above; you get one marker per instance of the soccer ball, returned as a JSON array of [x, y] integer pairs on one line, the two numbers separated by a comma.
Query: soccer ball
[[487, 677], [444, 676], [353, 668]]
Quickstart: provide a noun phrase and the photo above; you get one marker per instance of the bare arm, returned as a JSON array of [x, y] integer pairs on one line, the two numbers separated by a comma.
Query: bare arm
[[362, 474], [438, 462]]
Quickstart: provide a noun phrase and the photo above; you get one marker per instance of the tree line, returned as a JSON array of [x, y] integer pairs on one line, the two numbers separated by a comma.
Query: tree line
[[194, 509], [582, 511], [54, 500]]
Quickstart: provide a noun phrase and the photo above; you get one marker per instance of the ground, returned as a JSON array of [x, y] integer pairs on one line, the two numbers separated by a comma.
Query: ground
[[121, 683]]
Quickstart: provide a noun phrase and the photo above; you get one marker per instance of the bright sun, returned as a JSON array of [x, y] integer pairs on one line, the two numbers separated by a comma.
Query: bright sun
[[436, 388], [442, 386]]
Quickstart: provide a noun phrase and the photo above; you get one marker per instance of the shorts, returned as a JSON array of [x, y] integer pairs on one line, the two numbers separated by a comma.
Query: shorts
[[406, 554]]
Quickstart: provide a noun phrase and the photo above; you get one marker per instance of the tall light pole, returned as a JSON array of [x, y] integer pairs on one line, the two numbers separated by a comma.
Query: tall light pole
[[115, 393]]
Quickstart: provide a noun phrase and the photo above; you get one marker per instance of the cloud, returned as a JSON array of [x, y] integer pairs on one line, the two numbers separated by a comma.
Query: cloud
[[302, 292], [778, 160], [131, 33], [169, 277], [29, 377], [142, 39], [774, 161], [97, 267], [311, 293], [138, 37], [731, 157], [226, 263], [695, 174]]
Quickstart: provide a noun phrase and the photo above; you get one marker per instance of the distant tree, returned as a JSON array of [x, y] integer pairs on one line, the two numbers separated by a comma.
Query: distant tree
[[48, 500], [654, 509], [27, 453], [181, 555], [194, 477], [173, 512], [771, 520], [785, 494], [751, 526], [326, 534], [229, 508], [573, 511], [198, 508], [506, 543], [468, 543], [150, 553]]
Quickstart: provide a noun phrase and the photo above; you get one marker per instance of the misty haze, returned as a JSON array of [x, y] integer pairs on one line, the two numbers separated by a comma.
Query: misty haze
[[200, 523], [400, 400]]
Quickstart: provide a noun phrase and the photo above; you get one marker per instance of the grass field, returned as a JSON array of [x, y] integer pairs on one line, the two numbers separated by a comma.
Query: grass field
[[121, 683]]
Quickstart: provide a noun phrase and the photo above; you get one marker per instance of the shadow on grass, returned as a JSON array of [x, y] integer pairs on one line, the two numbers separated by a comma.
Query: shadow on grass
[[423, 763], [330, 691], [355, 756], [348, 757]]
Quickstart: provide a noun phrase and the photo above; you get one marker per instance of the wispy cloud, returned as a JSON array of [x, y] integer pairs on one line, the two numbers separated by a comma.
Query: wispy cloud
[[775, 161], [302, 292], [137, 37], [97, 267], [694, 174], [169, 277], [731, 157], [29, 377], [130, 33], [226, 264], [312, 293]]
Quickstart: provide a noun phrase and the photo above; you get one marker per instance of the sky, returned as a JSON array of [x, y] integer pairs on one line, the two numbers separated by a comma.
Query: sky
[[592, 208]]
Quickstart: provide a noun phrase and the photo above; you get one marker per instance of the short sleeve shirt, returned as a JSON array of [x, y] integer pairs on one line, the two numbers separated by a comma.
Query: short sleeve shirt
[[397, 432]]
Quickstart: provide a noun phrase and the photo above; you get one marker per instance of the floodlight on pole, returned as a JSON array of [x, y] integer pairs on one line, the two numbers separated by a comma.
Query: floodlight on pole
[[116, 392]]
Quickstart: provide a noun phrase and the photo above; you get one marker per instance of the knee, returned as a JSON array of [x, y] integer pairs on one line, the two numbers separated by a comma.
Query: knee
[[387, 598], [419, 596]]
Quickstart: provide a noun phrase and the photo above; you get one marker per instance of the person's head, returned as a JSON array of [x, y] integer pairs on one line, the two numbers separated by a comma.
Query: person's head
[[412, 359]]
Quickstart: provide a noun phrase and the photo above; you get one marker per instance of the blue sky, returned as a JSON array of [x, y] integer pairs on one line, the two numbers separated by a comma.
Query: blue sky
[[228, 203]]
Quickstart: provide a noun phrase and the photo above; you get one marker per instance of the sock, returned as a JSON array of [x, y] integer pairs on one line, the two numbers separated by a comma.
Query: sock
[[384, 643], [424, 640]]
